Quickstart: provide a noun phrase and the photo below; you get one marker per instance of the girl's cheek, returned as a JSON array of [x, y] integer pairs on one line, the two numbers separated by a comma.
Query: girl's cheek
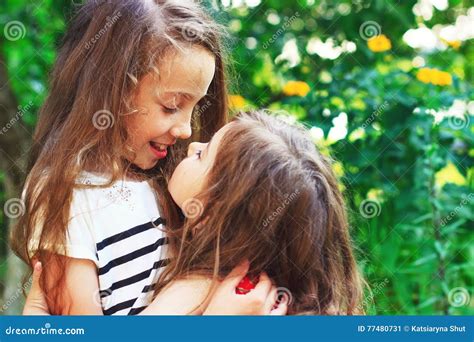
[[135, 130], [173, 185], [178, 176]]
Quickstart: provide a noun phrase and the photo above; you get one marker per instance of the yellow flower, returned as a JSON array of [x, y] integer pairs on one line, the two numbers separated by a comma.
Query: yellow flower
[[444, 78], [434, 76], [424, 75], [236, 101], [455, 44], [296, 88], [449, 174], [379, 43]]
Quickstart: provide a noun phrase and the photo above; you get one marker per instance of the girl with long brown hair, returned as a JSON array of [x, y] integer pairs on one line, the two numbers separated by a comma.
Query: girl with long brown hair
[[127, 80], [261, 191], [258, 191]]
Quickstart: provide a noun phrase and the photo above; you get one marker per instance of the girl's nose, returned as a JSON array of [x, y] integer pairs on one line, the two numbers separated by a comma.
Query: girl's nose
[[193, 147], [182, 131]]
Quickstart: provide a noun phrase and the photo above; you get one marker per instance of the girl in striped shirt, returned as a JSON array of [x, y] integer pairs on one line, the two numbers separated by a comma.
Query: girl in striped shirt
[[129, 79], [261, 191]]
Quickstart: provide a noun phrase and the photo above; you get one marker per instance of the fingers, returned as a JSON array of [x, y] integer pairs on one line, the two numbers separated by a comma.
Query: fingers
[[281, 309], [37, 269], [263, 287], [271, 300], [236, 275], [35, 303], [35, 285]]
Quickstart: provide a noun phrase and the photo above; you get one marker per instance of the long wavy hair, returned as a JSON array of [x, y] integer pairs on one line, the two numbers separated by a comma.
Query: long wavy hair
[[108, 48], [273, 199]]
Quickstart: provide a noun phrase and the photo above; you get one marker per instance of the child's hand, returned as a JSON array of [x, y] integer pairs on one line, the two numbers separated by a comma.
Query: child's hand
[[35, 303], [259, 301]]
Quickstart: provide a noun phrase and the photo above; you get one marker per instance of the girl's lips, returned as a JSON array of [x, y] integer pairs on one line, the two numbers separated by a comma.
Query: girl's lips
[[160, 154]]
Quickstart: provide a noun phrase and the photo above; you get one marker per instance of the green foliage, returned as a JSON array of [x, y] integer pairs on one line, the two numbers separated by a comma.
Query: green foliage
[[30, 59], [410, 256]]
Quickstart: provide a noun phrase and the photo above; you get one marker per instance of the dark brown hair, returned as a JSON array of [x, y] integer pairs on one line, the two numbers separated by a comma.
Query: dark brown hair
[[108, 48], [273, 199]]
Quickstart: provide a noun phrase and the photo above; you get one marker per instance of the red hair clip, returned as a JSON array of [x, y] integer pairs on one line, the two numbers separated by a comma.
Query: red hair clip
[[246, 285]]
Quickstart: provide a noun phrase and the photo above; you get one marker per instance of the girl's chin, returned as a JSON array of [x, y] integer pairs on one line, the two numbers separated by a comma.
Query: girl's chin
[[144, 166], [171, 190], [175, 189]]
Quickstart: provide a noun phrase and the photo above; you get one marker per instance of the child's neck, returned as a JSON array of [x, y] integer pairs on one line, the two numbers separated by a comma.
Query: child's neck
[[131, 172]]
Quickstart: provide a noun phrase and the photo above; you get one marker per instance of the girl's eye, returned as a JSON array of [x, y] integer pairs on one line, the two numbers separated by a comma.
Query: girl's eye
[[170, 110], [198, 153]]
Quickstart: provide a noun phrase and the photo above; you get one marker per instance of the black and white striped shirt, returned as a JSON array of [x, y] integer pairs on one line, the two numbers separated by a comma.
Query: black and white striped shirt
[[120, 229]]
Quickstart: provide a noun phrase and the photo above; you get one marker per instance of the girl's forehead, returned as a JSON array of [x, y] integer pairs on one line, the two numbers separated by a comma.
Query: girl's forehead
[[221, 132], [189, 94], [188, 71]]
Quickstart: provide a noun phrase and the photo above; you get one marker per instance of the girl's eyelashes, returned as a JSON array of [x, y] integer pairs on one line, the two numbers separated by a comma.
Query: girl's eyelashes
[[171, 107], [170, 110], [198, 153]]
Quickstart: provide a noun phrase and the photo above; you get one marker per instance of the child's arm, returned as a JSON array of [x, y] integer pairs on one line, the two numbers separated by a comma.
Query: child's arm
[[175, 299], [82, 296], [81, 287], [190, 296], [82, 284], [182, 297]]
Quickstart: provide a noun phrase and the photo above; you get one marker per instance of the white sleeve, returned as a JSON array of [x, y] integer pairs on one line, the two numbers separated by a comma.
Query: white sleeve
[[80, 242]]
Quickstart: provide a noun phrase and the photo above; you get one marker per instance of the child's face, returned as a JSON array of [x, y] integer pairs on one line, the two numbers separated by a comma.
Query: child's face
[[166, 103], [190, 175]]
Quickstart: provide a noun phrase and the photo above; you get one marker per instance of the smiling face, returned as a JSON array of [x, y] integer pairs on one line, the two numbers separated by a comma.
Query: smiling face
[[165, 103], [189, 177]]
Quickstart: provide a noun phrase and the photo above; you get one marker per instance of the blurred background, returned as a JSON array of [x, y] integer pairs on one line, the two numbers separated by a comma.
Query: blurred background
[[385, 87]]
